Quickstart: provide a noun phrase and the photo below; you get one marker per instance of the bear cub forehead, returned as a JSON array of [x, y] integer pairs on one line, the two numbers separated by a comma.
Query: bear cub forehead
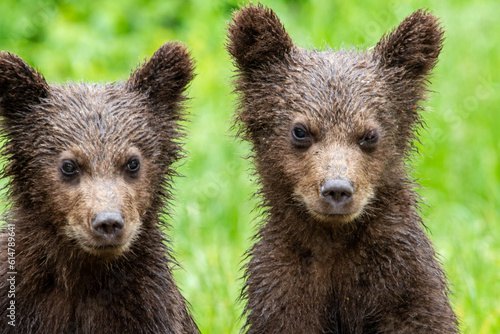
[[333, 89], [96, 120]]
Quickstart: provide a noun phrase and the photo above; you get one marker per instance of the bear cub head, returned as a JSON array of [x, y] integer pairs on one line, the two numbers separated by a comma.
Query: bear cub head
[[330, 129], [90, 163]]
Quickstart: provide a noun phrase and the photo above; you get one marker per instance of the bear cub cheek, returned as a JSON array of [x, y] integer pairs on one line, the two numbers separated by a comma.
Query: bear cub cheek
[[102, 210]]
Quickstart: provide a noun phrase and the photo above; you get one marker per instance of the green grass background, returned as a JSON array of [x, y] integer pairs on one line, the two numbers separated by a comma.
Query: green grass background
[[213, 216]]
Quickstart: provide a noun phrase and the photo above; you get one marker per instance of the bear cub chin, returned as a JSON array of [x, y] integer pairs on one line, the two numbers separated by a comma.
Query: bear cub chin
[[342, 248], [89, 170]]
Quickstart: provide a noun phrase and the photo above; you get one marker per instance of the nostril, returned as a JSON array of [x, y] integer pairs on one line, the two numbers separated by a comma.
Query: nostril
[[108, 224], [337, 191]]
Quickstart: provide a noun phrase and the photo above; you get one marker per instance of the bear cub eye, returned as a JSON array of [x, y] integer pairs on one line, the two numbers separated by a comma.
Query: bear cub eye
[[69, 168], [301, 137], [133, 165], [369, 140]]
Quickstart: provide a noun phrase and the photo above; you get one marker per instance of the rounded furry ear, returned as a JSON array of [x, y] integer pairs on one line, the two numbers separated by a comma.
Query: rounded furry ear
[[414, 45], [256, 36], [165, 76], [21, 86]]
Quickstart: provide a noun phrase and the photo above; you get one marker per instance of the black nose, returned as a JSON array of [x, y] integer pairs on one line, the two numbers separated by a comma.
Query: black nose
[[108, 224], [337, 191]]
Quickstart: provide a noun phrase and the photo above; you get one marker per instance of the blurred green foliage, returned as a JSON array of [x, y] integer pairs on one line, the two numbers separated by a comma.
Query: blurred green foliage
[[213, 217]]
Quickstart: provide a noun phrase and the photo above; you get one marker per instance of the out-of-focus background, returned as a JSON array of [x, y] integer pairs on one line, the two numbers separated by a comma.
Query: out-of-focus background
[[213, 217]]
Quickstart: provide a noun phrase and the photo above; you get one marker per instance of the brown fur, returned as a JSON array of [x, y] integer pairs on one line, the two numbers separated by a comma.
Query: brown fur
[[70, 278], [356, 261]]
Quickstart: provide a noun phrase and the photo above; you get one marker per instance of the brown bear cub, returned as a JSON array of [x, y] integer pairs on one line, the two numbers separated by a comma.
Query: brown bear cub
[[343, 249], [89, 169]]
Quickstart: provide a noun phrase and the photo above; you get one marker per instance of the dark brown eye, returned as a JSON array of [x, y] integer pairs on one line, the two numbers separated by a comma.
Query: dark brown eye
[[301, 137], [69, 168], [299, 133], [133, 165], [369, 140]]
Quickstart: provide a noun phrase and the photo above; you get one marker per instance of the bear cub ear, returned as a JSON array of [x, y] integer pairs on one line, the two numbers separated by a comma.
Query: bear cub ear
[[414, 45], [21, 86], [165, 76], [256, 36]]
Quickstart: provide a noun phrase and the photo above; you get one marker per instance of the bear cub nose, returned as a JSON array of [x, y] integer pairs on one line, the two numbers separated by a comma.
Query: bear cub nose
[[337, 192], [108, 224]]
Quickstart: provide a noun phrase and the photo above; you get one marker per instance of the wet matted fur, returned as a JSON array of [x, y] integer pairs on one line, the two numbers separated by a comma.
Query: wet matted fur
[[342, 248], [89, 170]]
